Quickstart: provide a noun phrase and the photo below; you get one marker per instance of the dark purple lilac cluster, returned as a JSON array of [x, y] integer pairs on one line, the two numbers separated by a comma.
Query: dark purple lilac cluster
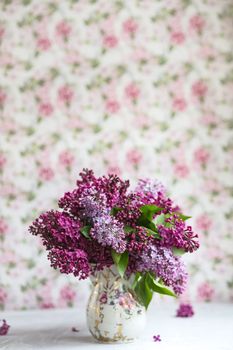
[[176, 234], [102, 220]]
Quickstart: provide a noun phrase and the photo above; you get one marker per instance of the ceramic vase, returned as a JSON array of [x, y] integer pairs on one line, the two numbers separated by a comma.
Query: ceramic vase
[[114, 315]]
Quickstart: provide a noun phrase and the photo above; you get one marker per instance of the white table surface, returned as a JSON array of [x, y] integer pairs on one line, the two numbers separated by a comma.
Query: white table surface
[[210, 329]]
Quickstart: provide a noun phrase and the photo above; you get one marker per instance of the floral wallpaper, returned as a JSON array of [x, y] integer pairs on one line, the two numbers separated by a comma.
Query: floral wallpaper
[[136, 88]]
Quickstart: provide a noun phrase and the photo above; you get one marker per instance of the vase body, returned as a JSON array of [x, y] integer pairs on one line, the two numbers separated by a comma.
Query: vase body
[[113, 313]]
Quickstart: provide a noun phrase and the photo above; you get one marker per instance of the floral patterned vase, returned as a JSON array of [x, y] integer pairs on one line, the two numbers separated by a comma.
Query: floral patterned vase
[[113, 314]]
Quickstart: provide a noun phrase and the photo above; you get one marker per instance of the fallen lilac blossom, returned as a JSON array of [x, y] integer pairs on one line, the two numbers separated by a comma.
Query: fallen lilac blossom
[[156, 338], [74, 329], [4, 328], [185, 310]]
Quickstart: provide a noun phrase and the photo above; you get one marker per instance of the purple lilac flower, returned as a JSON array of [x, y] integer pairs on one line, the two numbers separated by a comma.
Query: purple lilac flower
[[98, 256], [4, 328], [164, 265], [150, 187], [56, 229], [111, 188], [129, 212], [93, 208], [115, 190], [185, 310], [75, 262], [156, 338], [109, 232], [178, 236], [138, 240]]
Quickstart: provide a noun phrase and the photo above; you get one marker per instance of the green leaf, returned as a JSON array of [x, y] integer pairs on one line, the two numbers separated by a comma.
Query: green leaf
[[123, 263], [143, 291], [143, 221], [184, 217], [148, 294], [128, 229], [158, 287], [153, 233], [159, 220], [150, 210], [115, 256], [137, 276], [178, 251], [115, 210], [85, 230]]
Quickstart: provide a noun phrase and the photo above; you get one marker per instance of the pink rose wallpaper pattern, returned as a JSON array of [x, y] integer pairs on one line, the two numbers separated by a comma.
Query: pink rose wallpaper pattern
[[136, 88]]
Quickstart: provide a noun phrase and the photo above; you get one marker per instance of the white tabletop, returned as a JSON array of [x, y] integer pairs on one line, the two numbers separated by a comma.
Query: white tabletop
[[211, 328]]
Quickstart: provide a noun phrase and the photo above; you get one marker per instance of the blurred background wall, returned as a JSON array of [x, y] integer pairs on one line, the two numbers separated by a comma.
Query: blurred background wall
[[136, 88]]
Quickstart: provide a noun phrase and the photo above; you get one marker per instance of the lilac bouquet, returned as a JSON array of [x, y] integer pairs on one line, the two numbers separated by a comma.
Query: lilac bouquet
[[102, 222]]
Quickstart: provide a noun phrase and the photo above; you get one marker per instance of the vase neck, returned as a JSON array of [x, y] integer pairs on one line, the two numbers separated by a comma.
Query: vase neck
[[107, 274]]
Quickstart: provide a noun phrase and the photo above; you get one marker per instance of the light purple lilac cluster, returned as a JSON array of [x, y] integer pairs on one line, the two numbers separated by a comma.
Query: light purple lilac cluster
[[150, 188], [109, 232], [165, 265], [102, 215]]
